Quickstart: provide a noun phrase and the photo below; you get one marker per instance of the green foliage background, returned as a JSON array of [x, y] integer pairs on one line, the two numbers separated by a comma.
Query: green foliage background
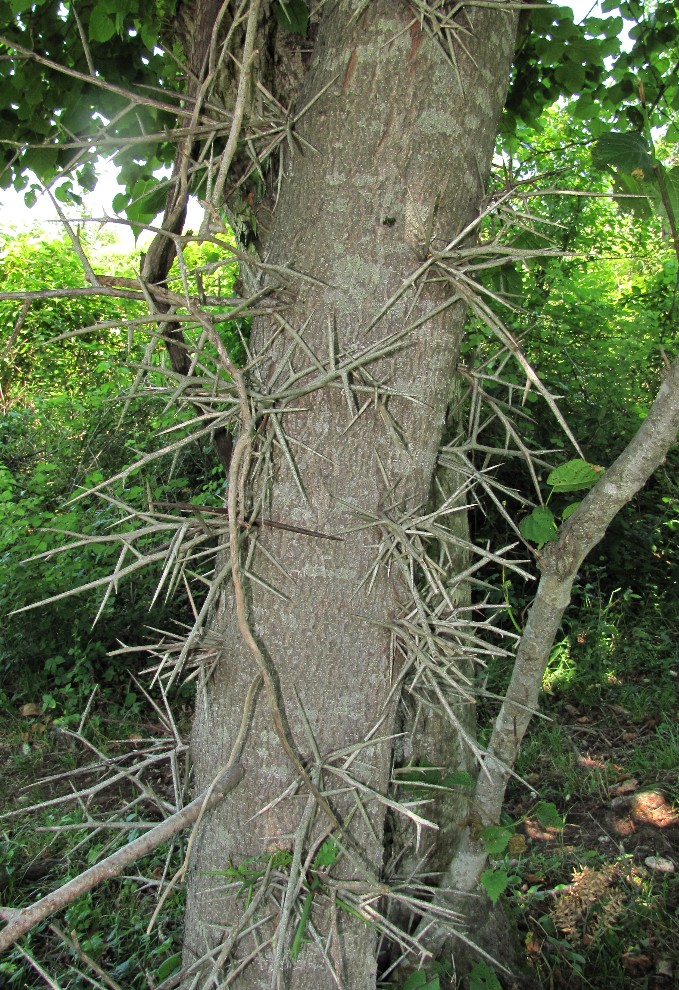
[[68, 424]]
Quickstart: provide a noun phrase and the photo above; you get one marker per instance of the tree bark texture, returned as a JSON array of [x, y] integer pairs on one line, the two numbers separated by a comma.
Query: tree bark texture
[[402, 141]]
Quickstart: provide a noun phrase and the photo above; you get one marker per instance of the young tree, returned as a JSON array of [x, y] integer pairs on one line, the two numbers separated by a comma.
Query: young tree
[[350, 153]]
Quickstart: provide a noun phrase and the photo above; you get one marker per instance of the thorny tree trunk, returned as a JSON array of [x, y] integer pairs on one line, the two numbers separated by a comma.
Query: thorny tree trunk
[[403, 141]]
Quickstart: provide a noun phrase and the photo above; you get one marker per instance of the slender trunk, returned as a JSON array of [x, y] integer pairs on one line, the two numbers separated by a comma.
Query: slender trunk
[[390, 161], [559, 564]]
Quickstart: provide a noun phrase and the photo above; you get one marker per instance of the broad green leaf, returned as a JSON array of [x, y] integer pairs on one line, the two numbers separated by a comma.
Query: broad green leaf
[[64, 192], [415, 981], [571, 75], [482, 977], [420, 981], [539, 527], [629, 152], [293, 15], [633, 194], [168, 967], [495, 838], [102, 27], [149, 35], [547, 814], [494, 882], [671, 181], [574, 476], [87, 177]]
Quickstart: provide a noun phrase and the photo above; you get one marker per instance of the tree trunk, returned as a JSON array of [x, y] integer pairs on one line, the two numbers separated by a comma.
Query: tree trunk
[[389, 163]]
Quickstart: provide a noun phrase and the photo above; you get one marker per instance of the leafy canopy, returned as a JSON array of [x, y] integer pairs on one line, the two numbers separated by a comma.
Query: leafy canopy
[[106, 77]]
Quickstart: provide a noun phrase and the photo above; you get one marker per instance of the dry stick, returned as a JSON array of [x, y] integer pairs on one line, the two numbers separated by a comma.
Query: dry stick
[[163, 249], [74, 239], [14, 336], [39, 970], [19, 922], [295, 878], [95, 80]]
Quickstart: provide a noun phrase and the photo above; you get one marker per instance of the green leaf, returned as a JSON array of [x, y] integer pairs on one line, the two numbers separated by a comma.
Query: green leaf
[[169, 966], [633, 194], [87, 177], [574, 476], [539, 527], [299, 939], [420, 981], [547, 814], [571, 75], [102, 27], [280, 859], [494, 882], [293, 15], [327, 854], [482, 977], [671, 177], [63, 192], [569, 510], [459, 779], [495, 838], [149, 35], [628, 152]]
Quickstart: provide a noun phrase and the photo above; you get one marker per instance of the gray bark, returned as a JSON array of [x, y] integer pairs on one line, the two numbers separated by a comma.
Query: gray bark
[[402, 150]]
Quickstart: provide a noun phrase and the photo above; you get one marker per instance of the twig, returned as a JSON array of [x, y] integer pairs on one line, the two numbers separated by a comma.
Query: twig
[[38, 968]]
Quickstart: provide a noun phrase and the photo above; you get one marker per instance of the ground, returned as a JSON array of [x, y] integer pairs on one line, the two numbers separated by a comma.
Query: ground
[[597, 901]]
